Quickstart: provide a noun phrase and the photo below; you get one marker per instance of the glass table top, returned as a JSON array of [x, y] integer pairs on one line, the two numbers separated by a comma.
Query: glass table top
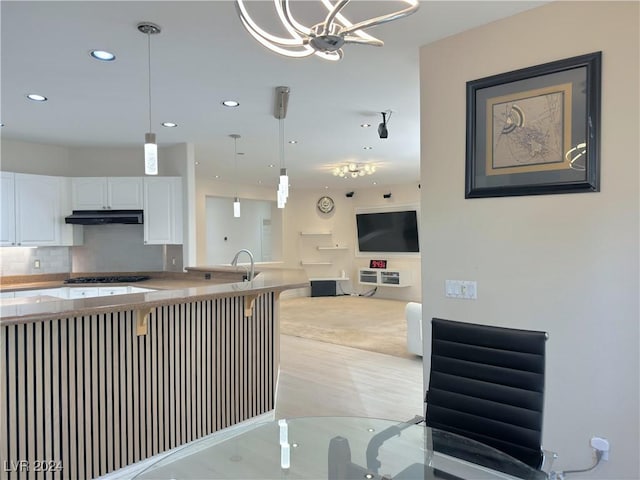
[[337, 448]]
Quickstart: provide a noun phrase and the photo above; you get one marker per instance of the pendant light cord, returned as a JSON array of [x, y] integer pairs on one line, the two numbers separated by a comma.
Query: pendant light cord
[[235, 156], [282, 143], [149, 67]]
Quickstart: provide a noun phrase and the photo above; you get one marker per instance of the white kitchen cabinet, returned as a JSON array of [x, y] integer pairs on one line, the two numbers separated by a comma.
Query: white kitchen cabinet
[[107, 193], [50, 292], [83, 292], [162, 210], [8, 214], [33, 210], [105, 291]]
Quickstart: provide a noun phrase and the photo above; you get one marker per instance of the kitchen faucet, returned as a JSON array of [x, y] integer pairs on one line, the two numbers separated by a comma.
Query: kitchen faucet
[[234, 262]]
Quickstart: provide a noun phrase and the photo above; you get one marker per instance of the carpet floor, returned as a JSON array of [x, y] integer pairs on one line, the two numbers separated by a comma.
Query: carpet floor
[[373, 324]]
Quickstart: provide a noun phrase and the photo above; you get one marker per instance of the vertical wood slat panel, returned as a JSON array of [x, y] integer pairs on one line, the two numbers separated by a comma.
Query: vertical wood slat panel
[[89, 392]]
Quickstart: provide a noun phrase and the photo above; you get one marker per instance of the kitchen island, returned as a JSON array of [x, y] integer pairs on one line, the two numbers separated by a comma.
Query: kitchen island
[[90, 385]]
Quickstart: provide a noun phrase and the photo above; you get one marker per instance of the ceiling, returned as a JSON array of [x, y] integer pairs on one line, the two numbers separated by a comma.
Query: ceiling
[[204, 56]]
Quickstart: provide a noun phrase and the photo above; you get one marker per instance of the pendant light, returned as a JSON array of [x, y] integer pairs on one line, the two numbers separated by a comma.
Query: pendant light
[[280, 112], [150, 145], [236, 200]]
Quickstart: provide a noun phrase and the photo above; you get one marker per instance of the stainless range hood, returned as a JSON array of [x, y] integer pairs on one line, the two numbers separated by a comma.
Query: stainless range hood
[[104, 217]]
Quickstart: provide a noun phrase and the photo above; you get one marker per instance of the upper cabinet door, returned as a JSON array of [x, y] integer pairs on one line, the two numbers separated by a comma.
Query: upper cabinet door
[[125, 193], [89, 193], [38, 216], [8, 214], [107, 193], [162, 210]]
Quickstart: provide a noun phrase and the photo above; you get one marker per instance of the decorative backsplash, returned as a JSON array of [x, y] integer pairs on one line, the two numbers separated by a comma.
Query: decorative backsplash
[[25, 260], [113, 248]]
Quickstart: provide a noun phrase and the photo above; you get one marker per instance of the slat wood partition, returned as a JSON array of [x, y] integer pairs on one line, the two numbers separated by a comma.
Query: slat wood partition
[[83, 396]]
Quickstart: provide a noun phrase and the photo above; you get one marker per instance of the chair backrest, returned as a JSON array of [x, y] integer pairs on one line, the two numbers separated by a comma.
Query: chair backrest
[[487, 383]]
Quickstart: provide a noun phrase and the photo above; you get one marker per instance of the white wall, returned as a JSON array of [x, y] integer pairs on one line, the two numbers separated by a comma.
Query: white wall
[[567, 264], [301, 215], [226, 234], [206, 187]]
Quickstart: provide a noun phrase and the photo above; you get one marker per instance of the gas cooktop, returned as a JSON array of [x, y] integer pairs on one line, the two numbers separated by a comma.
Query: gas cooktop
[[111, 279]]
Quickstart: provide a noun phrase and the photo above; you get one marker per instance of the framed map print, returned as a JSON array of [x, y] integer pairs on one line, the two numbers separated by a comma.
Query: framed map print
[[535, 131]]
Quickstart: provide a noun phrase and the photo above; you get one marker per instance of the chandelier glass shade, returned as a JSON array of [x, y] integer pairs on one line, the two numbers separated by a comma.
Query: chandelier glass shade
[[324, 39], [354, 170]]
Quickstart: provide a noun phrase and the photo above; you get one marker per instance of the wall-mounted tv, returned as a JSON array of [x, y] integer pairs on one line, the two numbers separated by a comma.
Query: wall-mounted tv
[[394, 232]]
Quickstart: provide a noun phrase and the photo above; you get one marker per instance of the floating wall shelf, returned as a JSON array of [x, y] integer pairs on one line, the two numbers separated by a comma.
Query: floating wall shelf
[[315, 263], [333, 248], [315, 233]]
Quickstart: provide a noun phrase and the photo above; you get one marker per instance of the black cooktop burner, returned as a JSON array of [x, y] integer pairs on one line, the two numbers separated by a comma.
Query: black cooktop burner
[[114, 279]]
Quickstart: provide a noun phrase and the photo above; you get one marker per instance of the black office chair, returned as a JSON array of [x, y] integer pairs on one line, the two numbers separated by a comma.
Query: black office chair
[[487, 384]]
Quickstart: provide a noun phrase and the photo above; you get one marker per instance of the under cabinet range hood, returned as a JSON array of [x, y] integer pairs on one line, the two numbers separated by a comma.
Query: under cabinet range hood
[[104, 217]]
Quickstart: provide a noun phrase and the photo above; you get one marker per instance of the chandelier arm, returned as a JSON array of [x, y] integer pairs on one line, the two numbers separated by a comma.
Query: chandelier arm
[[363, 41], [412, 8], [287, 18], [253, 28], [345, 22], [332, 15]]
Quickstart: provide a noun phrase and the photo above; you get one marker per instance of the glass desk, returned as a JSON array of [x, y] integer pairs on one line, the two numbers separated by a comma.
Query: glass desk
[[337, 448]]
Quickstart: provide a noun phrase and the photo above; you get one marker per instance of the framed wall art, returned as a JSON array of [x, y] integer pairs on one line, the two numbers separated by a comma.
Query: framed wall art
[[535, 131]]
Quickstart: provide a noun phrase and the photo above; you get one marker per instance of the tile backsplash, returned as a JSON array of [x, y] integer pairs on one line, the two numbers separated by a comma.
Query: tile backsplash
[[24, 260], [112, 248]]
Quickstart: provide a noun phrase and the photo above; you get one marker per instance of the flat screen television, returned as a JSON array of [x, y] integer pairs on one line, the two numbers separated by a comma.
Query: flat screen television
[[394, 232]]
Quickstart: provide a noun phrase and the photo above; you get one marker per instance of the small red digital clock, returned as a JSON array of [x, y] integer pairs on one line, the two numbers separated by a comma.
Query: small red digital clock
[[377, 264]]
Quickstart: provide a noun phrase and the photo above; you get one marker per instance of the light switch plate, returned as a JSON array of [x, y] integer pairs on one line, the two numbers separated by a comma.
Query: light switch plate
[[466, 289]]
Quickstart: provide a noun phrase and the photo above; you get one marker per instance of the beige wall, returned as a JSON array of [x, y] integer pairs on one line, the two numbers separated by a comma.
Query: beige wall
[[566, 264], [35, 158]]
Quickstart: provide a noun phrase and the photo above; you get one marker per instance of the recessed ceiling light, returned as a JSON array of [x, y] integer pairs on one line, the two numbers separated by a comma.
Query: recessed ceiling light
[[230, 103], [36, 98], [326, 187], [169, 124], [375, 183], [365, 125], [293, 141], [260, 181], [102, 55], [197, 162], [367, 148], [217, 176], [271, 165]]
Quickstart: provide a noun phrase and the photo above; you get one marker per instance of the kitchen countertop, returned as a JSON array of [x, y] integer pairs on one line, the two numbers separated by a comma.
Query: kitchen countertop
[[171, 288]]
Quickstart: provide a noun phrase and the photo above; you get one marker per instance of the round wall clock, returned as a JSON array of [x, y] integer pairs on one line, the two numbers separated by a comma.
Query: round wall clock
[[325, 204]]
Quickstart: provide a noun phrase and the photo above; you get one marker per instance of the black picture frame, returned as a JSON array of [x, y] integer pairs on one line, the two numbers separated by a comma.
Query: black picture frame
[[536, 130]]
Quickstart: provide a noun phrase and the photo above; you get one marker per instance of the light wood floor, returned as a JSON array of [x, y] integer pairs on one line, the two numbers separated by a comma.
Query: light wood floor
[[319, 379]]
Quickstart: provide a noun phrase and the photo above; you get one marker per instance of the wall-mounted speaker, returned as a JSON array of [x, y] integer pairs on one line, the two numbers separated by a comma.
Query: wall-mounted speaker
[[349, 194], [387, 195]]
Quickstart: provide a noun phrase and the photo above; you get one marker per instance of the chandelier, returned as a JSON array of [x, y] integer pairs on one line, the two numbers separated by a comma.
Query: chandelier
[[354, 170], [326, 38]]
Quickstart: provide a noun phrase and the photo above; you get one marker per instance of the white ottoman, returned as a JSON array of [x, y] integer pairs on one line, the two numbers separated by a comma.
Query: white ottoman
[[413, 314]]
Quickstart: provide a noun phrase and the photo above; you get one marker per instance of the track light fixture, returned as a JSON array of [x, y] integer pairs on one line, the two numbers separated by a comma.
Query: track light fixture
[[383, 131]]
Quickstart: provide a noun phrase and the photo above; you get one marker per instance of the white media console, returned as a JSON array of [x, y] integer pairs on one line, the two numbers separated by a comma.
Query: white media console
[[384, 278]]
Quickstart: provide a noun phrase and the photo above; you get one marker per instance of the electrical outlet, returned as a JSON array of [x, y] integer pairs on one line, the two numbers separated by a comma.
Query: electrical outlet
[[36, 263], [601, 445]]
